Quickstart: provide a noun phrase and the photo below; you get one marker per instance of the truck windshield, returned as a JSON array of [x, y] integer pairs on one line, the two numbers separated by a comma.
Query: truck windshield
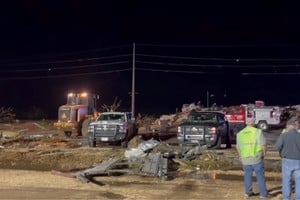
[[109, 117], [72, 100], [204, 117]]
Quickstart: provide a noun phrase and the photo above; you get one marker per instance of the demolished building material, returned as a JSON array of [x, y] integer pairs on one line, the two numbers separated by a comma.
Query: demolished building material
[[154, 164], [100, 169]]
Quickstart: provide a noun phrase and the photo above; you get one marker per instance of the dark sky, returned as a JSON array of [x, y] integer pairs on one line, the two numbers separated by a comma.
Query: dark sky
[[48, 48]]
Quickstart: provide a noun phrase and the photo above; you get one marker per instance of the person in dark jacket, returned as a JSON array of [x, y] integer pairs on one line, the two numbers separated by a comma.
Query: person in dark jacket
[[288, 145]]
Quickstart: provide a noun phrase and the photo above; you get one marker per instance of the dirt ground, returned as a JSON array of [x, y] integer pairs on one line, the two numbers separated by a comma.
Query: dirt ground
[[20, 184], [42, 166]]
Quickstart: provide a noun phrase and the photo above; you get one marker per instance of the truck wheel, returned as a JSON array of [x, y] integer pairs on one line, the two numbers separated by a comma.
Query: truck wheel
[[228, 139], [263, 125], [218, 143], [124, 144], [92, 143], [68, 133]]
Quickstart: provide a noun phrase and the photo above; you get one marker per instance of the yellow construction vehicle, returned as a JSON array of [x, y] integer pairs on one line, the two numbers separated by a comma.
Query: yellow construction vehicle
[[76, 114]]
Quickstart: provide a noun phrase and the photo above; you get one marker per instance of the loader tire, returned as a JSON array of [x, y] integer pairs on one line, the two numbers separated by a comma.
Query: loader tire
[[84, 127]]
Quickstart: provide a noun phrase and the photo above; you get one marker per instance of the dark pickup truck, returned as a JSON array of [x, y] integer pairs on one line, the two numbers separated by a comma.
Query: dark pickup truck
[[205, 128]]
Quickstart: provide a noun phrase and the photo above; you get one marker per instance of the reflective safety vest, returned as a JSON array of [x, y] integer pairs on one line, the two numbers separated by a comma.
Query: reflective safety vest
[[248, 140]]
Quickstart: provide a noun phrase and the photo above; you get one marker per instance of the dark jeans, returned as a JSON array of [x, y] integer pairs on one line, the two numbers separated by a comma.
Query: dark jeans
[[259, 170]]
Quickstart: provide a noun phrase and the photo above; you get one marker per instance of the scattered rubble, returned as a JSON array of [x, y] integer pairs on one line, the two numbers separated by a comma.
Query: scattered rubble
[[145, 161], [39, 146]]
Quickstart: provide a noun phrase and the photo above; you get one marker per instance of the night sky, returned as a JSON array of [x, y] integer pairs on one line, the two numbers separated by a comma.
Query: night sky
[[239, 52]]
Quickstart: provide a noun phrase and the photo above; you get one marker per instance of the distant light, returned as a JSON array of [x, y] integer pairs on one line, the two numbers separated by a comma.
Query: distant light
[[237, 60], [84, 94], [70, 94], [49, 69]]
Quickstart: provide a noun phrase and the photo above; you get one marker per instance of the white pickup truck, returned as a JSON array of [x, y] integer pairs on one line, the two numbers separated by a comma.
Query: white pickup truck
[[112, 127]]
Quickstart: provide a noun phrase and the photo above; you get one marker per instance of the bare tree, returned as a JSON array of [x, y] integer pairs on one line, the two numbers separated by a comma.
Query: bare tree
[[6, 114], [116, 104]]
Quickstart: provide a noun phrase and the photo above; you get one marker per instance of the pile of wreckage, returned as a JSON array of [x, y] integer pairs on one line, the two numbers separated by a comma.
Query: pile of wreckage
[[165, 124], [142, 161]]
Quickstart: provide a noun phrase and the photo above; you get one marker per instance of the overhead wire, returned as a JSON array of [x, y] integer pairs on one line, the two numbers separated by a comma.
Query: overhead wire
[[63, 68], [216, 45], [214, 65], [270, 73], [65, 75], [237, 59], [80, 52], [180, 62], [170, 71], [70, 61]]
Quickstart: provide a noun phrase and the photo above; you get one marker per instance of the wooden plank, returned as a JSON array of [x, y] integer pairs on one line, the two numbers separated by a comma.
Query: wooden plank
[[101, 168]]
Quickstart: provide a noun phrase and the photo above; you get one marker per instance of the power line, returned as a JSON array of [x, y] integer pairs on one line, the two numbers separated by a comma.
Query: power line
[[218, 45], [70, 61], [220, 59], [215, 65], [271, 74], [65, 75], [83, 51], [63, 68], [170, 71]]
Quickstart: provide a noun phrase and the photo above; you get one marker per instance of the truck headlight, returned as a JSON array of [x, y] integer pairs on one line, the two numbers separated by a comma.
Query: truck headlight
[[122, 129], [179, 129], [194, 129], [212, 130], [91, 129]]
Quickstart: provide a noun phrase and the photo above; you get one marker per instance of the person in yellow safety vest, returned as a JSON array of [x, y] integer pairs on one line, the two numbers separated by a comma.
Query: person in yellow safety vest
[[251, 148]]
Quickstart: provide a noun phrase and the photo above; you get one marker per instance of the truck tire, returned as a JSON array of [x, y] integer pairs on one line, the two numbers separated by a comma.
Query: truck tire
[[218, 143], [92, 143], [263, 125], [228, 140], [124, 143]]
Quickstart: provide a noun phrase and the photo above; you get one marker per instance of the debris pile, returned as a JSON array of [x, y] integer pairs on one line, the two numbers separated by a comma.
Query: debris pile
[[145, 161]]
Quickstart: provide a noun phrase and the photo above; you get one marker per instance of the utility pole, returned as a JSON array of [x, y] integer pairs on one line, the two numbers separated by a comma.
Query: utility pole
[[207, 99], [133, 84]]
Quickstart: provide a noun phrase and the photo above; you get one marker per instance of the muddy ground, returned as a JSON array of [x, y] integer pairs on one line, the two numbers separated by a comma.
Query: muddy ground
[[39, 163]]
